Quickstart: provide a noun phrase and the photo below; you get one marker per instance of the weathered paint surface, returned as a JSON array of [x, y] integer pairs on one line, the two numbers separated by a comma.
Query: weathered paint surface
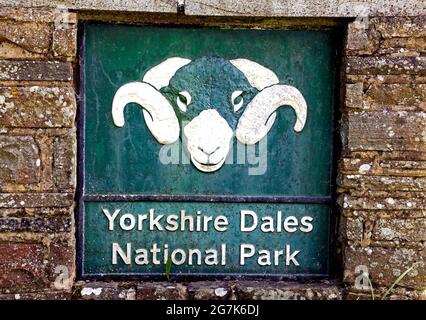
[[312, 244], [218, 83], [126, 160]]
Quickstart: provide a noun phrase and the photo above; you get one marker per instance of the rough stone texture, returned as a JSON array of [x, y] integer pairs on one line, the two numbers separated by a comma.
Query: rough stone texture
[[354, 95], [19, 160], [304, 8], [367, 229], [37, 137], [382, 171], [362, 39], [104, 291], [386, 65], [9, 50], [41, 295], [297, 8], [386, 131], [161, 291], [37, 106], [402, 27], [24, 224], [386, 265], [377, 182], [31, 36], [65, 42], [385, 201], [35, 200], [400, 229], [17, 13], [402, 97], [127, 5], [64, 162], [407, 46], [35, 70], [264, 290], [394, 163], [22, 266], [210, 290], [386, 97]]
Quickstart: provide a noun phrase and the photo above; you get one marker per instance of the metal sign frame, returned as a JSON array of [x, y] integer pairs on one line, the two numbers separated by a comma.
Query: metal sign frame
[[333, 261]]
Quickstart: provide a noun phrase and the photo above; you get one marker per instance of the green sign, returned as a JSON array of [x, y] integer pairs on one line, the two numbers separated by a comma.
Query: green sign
[[206, 151]]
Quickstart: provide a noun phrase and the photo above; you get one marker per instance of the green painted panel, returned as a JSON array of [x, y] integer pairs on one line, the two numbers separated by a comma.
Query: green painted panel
[[313, 244], [210, 92], [126, 160]]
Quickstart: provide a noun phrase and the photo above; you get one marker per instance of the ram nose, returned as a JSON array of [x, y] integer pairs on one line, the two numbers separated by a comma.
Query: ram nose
[[207, 139]]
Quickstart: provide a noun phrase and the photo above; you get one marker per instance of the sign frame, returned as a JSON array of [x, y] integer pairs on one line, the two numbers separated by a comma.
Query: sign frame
[[81, 198]]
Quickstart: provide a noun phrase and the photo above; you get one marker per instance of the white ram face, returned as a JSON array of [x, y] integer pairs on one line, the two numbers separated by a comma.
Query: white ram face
[[220, 100], [208, 151]]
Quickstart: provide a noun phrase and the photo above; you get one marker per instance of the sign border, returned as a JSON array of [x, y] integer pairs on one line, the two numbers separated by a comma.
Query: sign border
[[81, 197]]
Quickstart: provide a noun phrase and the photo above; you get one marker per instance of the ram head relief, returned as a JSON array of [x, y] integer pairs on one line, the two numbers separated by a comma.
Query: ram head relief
[[216, 98]]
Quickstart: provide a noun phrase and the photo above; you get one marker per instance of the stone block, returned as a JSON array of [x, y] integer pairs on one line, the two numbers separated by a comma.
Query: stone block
[[387, 131], [392, 27], [22, 266], [64, 162], [210, 290], [36, 200], [35, 70], [278, 290], [386, 65], [400, 97], [19, 160], [385, 265], [161, 291], [31, 36], [103, 291], [36, 224], [37, 107], [65, 42], [413, 230]]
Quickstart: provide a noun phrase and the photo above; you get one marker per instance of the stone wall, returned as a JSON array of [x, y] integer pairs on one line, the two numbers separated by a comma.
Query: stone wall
[[381, 173], [38, 105]]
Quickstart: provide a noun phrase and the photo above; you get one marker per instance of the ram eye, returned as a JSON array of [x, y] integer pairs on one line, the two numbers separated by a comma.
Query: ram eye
[[237, 100], [183, 100]]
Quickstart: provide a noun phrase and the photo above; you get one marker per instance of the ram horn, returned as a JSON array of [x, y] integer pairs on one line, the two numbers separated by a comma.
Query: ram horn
[[257, 75], [160, 116], [160, 75], [158, 112], [259, 116]]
